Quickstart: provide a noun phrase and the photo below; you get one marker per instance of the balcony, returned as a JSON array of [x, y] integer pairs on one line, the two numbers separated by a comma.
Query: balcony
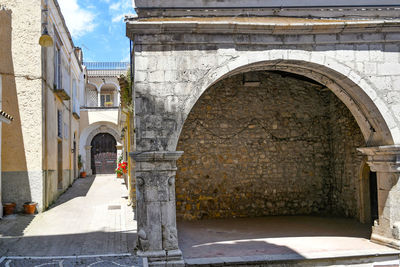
[[62, 93]]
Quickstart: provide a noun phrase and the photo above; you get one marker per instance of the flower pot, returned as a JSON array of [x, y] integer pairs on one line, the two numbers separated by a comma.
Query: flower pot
[[83, 175], [9, 208], [119, 175], [30, 207]]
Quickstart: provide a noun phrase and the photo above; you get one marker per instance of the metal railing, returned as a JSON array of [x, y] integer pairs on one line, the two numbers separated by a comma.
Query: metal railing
[[106, 69], [106, 65]]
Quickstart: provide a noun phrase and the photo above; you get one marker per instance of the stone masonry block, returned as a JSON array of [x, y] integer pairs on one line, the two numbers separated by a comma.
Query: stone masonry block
[[141, 76], [376, 53], [388, 68], [156, 76], [325, 38]]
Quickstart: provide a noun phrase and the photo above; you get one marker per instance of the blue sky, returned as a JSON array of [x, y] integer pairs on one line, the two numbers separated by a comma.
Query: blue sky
[[97, 26]]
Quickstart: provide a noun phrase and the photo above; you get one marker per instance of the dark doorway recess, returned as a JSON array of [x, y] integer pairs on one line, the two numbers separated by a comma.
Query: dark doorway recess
[[104, 154], [59, 165], [373, 189]]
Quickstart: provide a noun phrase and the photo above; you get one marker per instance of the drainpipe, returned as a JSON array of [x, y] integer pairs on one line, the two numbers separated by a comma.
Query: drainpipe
[[128, 140], [70, 115]]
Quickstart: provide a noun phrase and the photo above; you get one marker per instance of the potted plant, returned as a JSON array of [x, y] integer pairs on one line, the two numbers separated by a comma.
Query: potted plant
[[119, 172], [30, 207], [123, 166], [9, 208], [80, 165], [108, 104]]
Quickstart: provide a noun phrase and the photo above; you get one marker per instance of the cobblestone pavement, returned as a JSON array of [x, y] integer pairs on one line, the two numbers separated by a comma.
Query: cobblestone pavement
[[91, 218], [113, 261]]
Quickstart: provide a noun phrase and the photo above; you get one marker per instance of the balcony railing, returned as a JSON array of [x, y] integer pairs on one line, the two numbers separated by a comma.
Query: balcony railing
[[96, 69]]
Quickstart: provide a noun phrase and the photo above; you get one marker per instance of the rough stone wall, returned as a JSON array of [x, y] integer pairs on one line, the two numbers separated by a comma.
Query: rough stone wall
[[345, 160], [267, 150]]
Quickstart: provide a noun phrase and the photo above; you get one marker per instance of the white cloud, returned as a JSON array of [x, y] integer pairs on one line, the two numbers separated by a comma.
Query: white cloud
[[118, 10], [118, 18], [79, 20], [116, 6]]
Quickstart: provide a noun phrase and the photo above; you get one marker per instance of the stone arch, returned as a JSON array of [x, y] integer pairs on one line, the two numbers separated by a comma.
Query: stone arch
[[103, 129], [109, 82], [95, 85], [376, 122], [89, 133]]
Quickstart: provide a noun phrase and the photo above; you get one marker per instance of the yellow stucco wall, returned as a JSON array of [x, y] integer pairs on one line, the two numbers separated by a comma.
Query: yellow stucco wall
[[29, 144], [22, 98]]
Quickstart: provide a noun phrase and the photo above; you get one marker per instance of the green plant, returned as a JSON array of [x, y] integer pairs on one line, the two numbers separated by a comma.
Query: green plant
[[120, 159], [125, 84], [119, 171]]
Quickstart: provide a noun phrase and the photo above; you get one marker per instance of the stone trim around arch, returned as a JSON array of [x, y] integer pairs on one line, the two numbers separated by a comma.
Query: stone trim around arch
[[96, 131], [109, 82], [376, 122]]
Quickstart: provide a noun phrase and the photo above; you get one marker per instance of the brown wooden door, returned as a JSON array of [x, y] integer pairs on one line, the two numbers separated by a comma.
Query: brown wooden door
[[104, 154]]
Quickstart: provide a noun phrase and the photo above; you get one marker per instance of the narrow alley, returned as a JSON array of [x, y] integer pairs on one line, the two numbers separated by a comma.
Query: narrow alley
[[91, 218]]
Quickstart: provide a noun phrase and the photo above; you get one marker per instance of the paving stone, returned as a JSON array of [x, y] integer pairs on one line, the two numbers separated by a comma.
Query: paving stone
[[76, 262]]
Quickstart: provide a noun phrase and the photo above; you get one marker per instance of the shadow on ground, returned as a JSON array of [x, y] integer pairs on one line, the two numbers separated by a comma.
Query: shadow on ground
[[92, 243], [9, 227]]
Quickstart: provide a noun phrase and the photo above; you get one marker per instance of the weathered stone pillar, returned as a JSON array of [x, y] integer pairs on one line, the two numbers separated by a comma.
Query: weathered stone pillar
[[156, 212], [385, 161]]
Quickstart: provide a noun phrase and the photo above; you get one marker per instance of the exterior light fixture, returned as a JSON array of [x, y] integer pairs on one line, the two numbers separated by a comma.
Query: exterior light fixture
[[45, 39]]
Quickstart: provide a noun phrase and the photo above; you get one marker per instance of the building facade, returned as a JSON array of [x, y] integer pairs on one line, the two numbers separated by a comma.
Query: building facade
[[254, 108], [100, 144], [41, 89]]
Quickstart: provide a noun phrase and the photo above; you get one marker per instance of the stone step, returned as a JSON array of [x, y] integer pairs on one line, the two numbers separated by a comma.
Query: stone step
[[373, 259]]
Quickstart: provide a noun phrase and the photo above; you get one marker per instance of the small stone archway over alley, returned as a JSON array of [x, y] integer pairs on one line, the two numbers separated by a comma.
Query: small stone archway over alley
[[179, 60]]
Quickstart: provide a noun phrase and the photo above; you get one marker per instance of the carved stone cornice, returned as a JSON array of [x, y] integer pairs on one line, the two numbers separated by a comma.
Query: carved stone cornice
[[154, 156], [267, 27], [383, 158]]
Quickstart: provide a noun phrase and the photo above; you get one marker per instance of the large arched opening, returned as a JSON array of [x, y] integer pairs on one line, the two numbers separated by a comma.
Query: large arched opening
[[278, 139]]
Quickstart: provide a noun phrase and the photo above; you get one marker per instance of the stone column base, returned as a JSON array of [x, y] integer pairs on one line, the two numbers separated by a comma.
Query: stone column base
[[170, 258], [386, 241]]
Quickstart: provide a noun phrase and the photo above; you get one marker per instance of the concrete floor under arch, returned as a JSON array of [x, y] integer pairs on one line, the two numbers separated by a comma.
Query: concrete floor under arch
[[297, 237]]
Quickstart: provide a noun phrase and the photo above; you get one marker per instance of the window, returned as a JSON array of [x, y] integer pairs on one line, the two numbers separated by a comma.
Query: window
[[104, 99], [74, 91], [66, 131], [59, 123], [57, 67], [57, 62]]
